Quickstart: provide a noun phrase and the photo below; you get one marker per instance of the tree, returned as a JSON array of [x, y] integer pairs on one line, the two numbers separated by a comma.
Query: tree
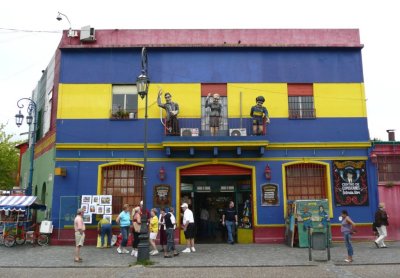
[[9, 156]]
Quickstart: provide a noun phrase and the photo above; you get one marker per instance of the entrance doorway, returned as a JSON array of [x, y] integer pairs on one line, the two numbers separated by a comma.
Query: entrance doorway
[[209, 196]]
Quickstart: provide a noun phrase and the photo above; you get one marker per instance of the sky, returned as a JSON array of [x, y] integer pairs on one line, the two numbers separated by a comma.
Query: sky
[[30, 34]]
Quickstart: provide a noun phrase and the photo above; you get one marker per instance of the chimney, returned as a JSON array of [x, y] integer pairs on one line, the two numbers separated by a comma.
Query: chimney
[[391, 134]]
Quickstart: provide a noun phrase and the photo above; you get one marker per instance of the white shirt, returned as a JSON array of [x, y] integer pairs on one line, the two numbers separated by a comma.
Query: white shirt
[[188, 216]]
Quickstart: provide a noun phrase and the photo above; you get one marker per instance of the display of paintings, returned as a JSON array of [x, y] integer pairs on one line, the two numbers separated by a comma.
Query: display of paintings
[[107, 209], [106, 200], [87, 218], [95, 199], [108, 217], [100, 209], [85, 208], [92, 208], [86, 199]]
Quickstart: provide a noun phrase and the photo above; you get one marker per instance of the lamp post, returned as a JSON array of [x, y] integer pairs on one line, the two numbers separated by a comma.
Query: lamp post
[[142, 85], [32, 117]]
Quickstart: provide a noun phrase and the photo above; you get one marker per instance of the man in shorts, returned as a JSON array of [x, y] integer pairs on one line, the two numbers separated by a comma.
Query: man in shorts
[[79, 227], [188, 228]]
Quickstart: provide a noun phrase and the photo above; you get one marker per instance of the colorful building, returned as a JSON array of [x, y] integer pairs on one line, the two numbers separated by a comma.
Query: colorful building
[[92, 125]]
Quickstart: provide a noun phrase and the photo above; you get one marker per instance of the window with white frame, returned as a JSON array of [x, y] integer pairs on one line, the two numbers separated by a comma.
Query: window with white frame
[[124, 102]]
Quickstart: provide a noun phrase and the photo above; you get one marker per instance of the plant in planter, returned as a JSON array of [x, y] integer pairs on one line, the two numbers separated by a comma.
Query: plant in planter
[[389, 184]]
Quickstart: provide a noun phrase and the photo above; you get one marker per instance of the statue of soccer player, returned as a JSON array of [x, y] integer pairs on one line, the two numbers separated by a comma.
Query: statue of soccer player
[[172, 111], [259, 113], [215, 115]]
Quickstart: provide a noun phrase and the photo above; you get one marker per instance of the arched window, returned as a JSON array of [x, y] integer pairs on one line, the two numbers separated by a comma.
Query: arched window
[[306, 181], [124, 183]]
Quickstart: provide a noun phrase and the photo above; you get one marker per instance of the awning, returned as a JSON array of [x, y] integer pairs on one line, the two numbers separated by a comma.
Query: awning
[[19, 203]]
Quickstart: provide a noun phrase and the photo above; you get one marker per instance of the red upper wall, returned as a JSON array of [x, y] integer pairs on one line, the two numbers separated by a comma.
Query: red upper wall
[[219, 38]]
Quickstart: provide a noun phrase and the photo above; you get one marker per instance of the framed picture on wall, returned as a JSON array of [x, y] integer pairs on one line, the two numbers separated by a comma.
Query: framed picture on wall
[[87, 218], [92, 208], [86, 199], [107, 209], [106, 200], [95, 199], [108, 217], [85, 208], [100, 209]]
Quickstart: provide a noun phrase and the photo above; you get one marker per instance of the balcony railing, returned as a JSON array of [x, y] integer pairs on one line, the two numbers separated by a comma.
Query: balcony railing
[[232, 127]]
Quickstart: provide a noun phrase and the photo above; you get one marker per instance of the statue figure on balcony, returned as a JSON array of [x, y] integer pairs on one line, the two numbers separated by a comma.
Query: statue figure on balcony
[[215, 114], [260, 116], [172, 111]]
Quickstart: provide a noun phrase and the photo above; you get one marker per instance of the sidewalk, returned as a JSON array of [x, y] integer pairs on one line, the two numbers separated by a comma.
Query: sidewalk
[[206, 255]]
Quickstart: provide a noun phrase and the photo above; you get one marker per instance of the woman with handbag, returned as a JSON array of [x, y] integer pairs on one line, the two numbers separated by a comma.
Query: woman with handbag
[[136, 219], [348, 228]]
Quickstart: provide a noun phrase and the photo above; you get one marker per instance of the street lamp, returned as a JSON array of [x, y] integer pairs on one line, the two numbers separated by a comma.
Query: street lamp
[[32, 117], [142, 86]]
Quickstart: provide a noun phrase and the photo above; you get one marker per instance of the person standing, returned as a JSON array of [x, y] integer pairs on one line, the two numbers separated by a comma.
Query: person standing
[[204, 218], [229, 219], [153, 231], [104, 228], [124, 221], [172, 111], [188, 228], [347, 228], [258, 112], [162, 230], [215, 114], [381, 222], [80, 228], [137, 222], [170, 225]]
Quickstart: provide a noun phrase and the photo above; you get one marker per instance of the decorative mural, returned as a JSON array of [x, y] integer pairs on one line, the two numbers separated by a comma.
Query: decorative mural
[[350, 183]]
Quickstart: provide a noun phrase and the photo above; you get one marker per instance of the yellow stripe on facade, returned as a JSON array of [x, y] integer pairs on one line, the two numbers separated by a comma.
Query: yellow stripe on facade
[[340, 100], [43, 145], [242, 96]]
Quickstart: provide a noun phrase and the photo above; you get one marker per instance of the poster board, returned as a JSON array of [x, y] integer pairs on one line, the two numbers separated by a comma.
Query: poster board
[[313, 215], [96, 204]]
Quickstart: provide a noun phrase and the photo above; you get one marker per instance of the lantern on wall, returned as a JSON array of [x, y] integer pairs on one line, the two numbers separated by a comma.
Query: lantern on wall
[[267, 172], [162, 174]]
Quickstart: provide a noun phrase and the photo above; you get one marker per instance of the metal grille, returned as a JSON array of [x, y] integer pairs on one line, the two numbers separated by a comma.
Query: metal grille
[[301, 107], [305, 181], [388, 168], [124, 183]]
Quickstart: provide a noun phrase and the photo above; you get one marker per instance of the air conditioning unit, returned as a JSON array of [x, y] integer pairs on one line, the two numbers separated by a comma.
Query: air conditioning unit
[[237, 132], [189, 132], [87, 34]]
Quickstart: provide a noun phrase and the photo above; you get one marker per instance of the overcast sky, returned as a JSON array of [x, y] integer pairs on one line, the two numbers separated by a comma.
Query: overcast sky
[[23, 55]]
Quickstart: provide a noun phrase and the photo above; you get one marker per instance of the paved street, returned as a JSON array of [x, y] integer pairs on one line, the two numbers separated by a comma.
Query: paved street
[[218, 260]]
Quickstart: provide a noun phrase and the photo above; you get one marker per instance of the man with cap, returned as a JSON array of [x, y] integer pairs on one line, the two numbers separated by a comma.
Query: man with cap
[[79, 227], [381, 221], [188, 228]]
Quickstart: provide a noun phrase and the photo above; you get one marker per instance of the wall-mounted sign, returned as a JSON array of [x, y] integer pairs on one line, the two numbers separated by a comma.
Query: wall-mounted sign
[[162, 195], [350, 183], [269, 194]]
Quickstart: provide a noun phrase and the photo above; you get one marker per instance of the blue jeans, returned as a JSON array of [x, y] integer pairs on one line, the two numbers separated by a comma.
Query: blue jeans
[[229, 227], [105, 230], [170, 240], [347, 241], [125, 233]]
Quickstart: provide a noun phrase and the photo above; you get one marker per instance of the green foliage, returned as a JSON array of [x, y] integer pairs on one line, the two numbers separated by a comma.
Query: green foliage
[[9, 156]]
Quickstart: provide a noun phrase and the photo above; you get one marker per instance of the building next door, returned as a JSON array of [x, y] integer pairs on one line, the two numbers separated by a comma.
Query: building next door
[[208, 192]]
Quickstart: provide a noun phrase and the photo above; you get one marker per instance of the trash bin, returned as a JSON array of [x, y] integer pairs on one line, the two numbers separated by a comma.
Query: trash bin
[[318, 241]]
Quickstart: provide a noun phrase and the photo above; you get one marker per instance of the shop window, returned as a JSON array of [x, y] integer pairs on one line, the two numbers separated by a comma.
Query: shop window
[[388, 168], [305, 181], [301, 101], [124, 183], [124, 102]]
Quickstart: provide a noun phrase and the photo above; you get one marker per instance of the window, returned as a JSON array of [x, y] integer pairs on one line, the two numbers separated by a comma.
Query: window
[[301, 101], [205, 119], [124, 102], [305, 181], [124, 183], [388, 168]]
